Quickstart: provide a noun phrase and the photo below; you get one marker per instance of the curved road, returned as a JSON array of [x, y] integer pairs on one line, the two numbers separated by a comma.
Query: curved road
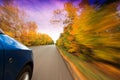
[[49, 65]]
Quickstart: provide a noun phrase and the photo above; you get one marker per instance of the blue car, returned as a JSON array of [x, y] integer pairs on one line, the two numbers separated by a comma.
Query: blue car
[[16, 60]]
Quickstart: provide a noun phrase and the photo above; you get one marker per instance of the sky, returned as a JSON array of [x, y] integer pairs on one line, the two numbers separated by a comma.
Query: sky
[[41, 12]]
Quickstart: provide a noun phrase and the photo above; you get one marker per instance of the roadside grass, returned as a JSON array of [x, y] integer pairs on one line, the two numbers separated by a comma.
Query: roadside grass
[[89, 70], [109, 54]]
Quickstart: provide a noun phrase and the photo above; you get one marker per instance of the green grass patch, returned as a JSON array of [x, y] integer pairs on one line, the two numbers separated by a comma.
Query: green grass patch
[[86, 68]]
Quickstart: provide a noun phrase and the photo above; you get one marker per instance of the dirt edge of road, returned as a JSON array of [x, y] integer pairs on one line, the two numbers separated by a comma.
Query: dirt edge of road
[[72, 68]]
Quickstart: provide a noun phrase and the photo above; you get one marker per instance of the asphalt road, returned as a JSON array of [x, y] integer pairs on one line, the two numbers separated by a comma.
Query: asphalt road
[[49, 65]]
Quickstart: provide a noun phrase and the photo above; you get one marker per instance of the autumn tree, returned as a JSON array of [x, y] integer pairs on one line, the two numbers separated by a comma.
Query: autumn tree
[[12, 22], [95, 32]]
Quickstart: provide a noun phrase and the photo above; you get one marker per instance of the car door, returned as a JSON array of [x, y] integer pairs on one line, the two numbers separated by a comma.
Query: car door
[[14, 57], [1, 61]]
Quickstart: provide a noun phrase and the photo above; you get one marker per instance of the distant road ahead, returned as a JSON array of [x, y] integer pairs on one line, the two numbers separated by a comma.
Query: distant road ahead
[[49, 65]]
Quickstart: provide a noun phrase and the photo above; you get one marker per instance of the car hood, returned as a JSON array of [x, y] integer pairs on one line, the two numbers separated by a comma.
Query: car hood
[[10, 43]]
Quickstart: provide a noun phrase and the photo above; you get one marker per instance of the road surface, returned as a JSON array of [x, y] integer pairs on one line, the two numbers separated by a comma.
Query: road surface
[[49, 65]]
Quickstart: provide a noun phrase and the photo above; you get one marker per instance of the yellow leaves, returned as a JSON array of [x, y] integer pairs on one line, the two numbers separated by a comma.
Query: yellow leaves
[[32, 38], [93, 29], [70, 38], [13, 24], [9, 33], [74, 48], [87, 32], [71, 11], [59, 42], [32, 26]]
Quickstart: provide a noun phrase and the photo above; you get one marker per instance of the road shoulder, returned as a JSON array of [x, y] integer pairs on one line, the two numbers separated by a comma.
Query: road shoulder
[[73, 69]]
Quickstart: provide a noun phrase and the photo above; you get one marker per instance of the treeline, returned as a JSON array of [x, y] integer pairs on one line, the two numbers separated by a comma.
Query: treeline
[[92, 32], [13, 23]]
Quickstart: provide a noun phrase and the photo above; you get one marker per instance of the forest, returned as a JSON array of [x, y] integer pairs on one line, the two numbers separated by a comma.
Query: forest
[[92, 32], [13, 22], [90, 39]]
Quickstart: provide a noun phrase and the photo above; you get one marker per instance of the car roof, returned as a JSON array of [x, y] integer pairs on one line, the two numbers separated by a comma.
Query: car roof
[[1, 31]]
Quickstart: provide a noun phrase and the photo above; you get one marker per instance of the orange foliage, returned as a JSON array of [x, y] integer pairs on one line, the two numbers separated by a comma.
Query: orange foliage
[[94, 31], [12, 23]]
